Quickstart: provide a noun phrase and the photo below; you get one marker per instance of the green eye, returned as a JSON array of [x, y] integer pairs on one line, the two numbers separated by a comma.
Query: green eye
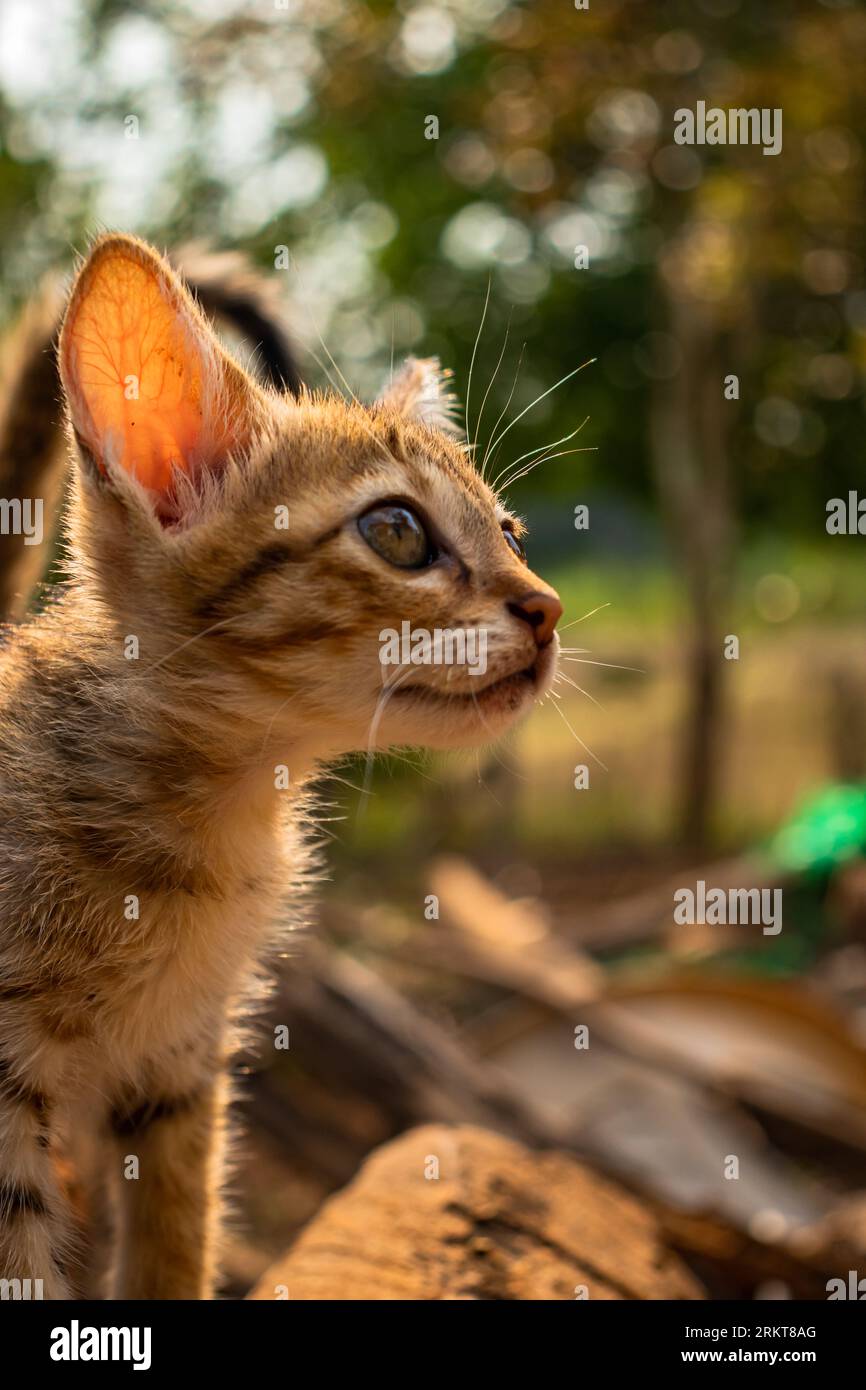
[[395, 533], [514, 544]]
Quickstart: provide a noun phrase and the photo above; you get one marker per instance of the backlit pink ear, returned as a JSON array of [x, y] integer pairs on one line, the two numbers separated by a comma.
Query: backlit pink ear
[[149, 387]]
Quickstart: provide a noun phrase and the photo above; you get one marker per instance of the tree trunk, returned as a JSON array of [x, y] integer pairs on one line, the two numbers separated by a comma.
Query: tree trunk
[[690, 422]]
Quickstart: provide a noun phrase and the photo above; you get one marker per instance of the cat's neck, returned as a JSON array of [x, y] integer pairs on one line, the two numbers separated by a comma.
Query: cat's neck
[[152, 751]]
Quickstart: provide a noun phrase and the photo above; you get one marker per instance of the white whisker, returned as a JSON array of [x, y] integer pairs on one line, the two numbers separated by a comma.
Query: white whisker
[[590, 614], [543, 396], [475, 350], [539, 449], [384, 696], [504, 411], [512, 771], [515, 477], [579, 740], [561, 675], [491, 384], [585, 661]]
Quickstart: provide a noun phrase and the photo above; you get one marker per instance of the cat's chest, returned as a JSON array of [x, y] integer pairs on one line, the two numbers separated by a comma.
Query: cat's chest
[[176, 989], [163, 982]]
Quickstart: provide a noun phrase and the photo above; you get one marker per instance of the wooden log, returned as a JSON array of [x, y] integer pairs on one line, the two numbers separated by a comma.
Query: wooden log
[[364, 1065], [460, 1213]]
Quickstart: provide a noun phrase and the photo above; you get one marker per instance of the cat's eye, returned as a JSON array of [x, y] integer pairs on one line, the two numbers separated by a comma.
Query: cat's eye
[[515, 544], [396, 533]]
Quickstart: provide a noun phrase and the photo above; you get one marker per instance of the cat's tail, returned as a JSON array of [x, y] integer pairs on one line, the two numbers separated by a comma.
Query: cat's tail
[[32, 447], [230, 289]]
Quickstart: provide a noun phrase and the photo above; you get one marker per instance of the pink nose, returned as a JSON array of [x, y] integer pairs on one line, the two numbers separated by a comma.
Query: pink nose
[[542, 610]]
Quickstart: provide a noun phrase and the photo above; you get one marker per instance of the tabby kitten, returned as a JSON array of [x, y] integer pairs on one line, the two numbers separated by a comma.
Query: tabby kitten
[[199, 647]]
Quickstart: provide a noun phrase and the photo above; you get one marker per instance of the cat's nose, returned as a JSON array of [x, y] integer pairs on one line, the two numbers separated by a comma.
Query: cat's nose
[[542, 610]]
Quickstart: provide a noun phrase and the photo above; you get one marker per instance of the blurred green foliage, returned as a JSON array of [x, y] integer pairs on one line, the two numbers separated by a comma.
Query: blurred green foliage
[[303, 124]]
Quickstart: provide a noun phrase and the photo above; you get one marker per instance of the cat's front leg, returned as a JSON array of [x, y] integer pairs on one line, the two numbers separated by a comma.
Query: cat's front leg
[[94, 1196], [35, 1227], [171, 1149]]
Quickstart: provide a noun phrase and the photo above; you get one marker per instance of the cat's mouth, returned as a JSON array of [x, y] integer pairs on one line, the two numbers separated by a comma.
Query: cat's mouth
[[505, 691]]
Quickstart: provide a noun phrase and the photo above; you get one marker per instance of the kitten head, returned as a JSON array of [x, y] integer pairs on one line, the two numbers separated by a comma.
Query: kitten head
[[333, 573]]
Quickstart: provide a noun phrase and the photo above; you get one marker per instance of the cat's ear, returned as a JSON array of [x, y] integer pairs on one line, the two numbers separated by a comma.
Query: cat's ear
[[421, 390], [150, 390]]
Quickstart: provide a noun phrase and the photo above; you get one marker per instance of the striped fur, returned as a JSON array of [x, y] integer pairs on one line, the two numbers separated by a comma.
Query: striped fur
[[148, 861]]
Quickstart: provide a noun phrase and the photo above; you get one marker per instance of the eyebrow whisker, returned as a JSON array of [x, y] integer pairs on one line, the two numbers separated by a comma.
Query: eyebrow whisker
[[539, 450], [504, 411], [546, 458], [475, 350], [491, 384], [541, 397]]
